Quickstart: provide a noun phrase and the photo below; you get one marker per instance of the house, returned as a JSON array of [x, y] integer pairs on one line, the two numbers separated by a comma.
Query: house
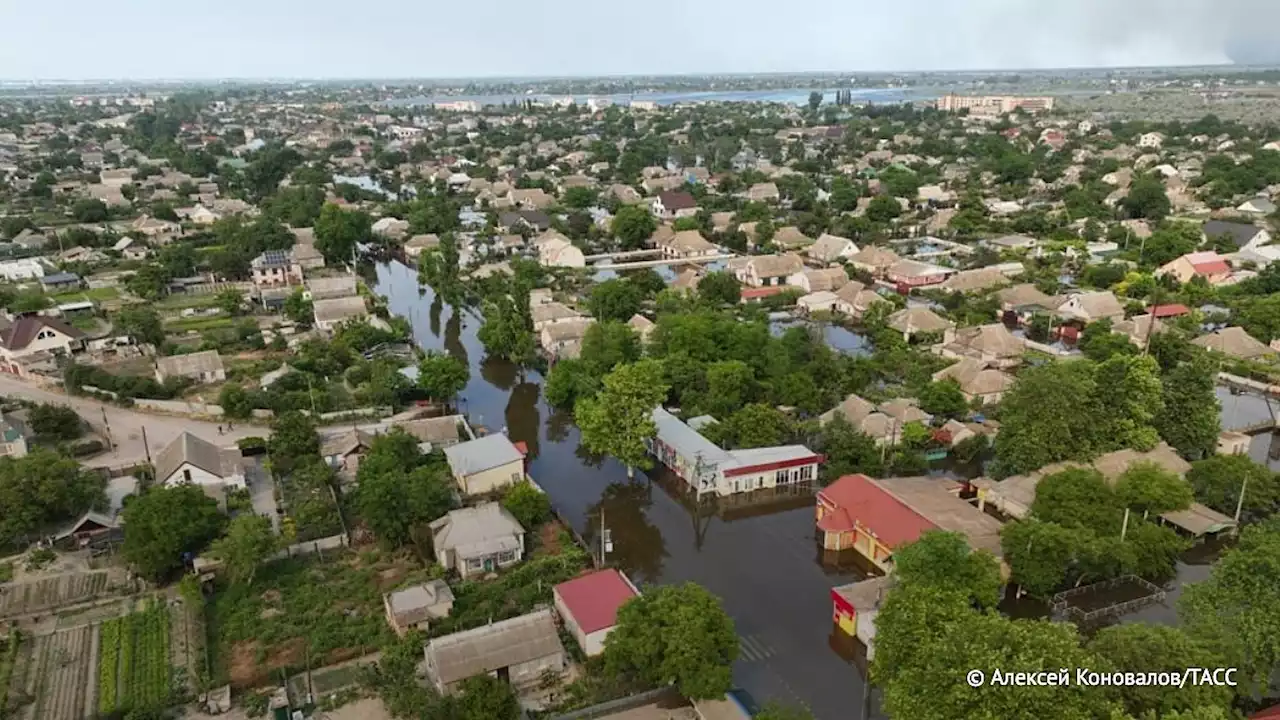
[[477, 540], [1241, 235], [342, 450], [550, 312], [1257, 206], [642, 326], [564, 340], [767, 270], [389, 227], [589, 604], [532, 219], [911, 321], [33, 341], [29, 239], [522, 651], [828, 249], [1087, 307], [414, 607], [1234, 342], [1025, 300], [883, 423], [789, 237], [978, 380], [826, 279], [61, 281], [672, 204], [418, 244], [992, 344], [555, 250], [324, 288], [331, 313], [531, 199], [1013, 242], [855, 607], [307, 256], [204, 367], [821, 301], [975, 281], [152, 227], [874, 517], [485, 464], [686, 244], [874, 259], [188, 459], [763, 192], [854, 299], [914, 274], [24, 269], [13, 436], [1151, 140], [1208, 265], [709, 469], [275, 268], [117, 178], [624, 194]]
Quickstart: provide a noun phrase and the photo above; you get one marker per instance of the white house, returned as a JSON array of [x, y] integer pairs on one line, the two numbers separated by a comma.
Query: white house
[[24, 269], [203, 367], [1152, 140], [188, 459], [35, 340], [485, 464], [478, 539], [589, 606]]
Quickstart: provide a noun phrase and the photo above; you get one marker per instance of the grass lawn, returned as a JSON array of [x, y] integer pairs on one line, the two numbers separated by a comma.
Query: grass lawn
[[334, 603], [182, 300], [95, 294], [216, 322]]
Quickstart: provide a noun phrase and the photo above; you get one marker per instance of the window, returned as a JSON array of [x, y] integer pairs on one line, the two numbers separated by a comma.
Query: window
[[474, 564], [806, 472], [781, 477], [507, 556], [515, 478], [186, 474]]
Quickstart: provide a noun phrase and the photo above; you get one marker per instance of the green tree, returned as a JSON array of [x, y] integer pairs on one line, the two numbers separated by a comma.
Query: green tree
[[1146, 199], [1048, 416], [150, 282], [1099, 343], [720, 288], [528, 504], [442, 376], [777, 711], [1040, 554], [163, 523], [299, 309], [1190, 421], [569, 380], [484, 697], [847, 450], [883, 208], [607, 345], [1236, 612], [1138, 647], [248, 542], [1218, 480], [1150, 489], [756, 425], [56, 423], [675, 635], [944, 399], [89, 211], [141, 323], [944, 560], [618, 420], [730, 385], [230, 301], [507, 331], [579, 198], [815, 99], [1129, 400], [40, 489], [1077, 497], [338, 231], [633, 225], [293, 436], [615, 300], [400, 490], [235, 402]]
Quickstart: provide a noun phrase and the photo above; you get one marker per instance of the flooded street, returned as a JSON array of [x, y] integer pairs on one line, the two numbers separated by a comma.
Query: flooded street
[[762, 561]]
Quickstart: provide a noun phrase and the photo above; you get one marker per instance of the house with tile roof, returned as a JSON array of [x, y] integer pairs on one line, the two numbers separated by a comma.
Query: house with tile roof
[[34, 341], [589, 604], [1208, 265], [190, 459]]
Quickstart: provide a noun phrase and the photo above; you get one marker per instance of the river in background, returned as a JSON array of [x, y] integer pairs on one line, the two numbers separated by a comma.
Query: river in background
[[760, 558], [794, 96]]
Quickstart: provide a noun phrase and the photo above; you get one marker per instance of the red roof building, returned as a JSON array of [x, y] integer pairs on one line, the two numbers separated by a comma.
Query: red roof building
[[1271, 713], [855, 512], [589, 606], [1168, 311]]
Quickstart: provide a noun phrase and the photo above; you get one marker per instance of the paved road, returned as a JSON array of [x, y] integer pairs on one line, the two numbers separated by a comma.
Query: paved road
[[125, 426]]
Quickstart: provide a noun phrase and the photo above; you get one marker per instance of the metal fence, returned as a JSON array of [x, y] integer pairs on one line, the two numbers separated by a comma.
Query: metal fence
[[1060, 603]]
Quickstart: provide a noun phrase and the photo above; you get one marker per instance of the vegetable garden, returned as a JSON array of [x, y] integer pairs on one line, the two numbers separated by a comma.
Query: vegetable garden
[[133, 661]]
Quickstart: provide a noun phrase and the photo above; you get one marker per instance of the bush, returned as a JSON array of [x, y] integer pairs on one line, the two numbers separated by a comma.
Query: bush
[[87, 448]]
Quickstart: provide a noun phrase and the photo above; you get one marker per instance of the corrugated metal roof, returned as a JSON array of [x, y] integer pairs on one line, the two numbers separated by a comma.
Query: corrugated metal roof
[[486, 649]]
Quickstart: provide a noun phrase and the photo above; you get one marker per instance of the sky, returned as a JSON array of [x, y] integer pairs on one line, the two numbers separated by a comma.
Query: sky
[[162, 39]]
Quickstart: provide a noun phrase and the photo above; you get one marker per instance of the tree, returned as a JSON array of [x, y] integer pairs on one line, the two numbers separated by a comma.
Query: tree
[[507, 331], [1191, 418], [1236, 612], [293, 436], [1047, 416], [615, 300], [944, 399], [56, 423], [675, 635], [848, 450], [401, 490], [528, 504], [618, 420], [1218, 480], [1152, 490], [633, 225], [143, 324], [338, 231], [1099, 343], [720, 288], [1138, 647], [235, 402], [1040, 554], [230, 301], [815, 99], [485, 697], [579, 198], [569, 380], [150, 282], [607, 345], [1146, 199], [1129, 400], [442, 376], [89, 211], [944, 560], [777, 711], [883, 208], [1077, 497], [42, 488], [299, 309], [248, 543], [753, 426], [164, 523]]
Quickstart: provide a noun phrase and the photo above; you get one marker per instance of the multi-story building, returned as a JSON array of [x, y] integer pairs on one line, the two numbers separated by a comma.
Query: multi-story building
[[994, 104]]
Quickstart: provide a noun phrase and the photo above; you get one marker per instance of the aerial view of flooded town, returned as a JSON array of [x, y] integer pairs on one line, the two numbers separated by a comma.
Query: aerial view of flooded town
[[406, 372]]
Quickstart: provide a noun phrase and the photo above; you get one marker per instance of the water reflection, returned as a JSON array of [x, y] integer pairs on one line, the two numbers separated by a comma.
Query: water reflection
[[523, 417], [558, 425], [437, 305], [836, 336], [638, 546], [453, 338]]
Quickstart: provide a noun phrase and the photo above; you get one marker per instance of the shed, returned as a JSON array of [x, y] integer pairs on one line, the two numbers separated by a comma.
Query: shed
[[519, 650], [589, 606], [416, 606]]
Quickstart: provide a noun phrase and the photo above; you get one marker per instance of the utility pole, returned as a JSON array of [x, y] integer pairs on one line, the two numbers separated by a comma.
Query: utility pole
[[606, 542], [1240, 502], [1124, 529], [106, 425], [145, 445]]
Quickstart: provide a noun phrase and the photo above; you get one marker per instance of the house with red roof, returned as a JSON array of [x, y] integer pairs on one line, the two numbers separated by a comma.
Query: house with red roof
[[875, 517], [1169, 311], [589, 605], [1209, 265]]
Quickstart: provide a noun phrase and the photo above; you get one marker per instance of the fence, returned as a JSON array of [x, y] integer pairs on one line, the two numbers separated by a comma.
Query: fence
[[311, 547], [611, 707], [180, 407], [1152, 594]]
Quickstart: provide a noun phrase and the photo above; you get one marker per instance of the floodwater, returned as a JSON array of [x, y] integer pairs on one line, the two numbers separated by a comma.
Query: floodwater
[[837, 336], [760, 558], [792, 97]]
